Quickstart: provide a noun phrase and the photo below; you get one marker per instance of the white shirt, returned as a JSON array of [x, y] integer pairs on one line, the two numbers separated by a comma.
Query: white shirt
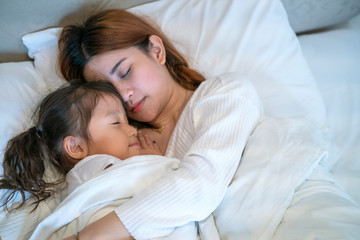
[[209, 139], [88, 168]]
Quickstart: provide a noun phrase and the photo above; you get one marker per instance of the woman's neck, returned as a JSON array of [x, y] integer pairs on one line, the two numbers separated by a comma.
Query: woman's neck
[[164, 125], [171, 113]]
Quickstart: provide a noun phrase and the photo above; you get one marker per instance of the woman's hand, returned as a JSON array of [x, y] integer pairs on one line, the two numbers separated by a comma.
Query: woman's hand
[[107, 228], [148, 147]]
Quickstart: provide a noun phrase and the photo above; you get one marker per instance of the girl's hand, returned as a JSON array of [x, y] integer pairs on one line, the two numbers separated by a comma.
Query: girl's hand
[[148, 147]]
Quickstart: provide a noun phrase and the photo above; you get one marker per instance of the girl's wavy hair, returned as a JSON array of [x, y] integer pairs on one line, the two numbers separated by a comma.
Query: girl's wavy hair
[[66, 111], [113, 30]]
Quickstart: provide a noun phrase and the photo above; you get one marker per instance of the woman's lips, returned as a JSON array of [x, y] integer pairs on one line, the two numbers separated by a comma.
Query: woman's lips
[[135, 108]]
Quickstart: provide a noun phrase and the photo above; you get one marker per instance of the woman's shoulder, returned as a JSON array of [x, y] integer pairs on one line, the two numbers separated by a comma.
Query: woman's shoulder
[[225, 80], [227, 83]]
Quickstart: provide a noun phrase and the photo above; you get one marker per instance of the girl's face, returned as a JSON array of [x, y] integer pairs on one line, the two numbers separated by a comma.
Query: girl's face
[[110, 132], [142, 79]]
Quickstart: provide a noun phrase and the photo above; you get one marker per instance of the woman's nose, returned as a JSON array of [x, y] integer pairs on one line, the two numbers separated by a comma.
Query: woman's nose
[[126, 93]]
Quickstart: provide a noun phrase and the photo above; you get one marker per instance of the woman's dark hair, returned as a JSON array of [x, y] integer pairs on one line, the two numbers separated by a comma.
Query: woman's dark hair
[[113, 30], [66, 111]]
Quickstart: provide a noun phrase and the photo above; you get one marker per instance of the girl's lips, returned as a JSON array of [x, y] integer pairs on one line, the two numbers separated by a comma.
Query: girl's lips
[[134, 144], [137, 106]]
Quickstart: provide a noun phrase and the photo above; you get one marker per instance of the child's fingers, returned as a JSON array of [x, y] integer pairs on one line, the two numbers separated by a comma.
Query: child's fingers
[[147, 145], [148, 140], [142, 140], [145, 140]]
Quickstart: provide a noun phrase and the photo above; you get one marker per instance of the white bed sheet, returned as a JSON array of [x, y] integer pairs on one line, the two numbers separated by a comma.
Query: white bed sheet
[[334, 58]]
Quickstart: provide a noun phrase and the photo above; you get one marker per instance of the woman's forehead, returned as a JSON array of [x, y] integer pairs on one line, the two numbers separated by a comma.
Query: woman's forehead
[[101, 66], [114, 54]]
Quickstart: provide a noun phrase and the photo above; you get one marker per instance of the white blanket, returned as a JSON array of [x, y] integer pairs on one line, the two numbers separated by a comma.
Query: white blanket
[[254, 203], [279, 156], [104, 192]]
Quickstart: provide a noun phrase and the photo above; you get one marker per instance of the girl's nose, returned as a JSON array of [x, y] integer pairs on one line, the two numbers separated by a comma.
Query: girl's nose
[[132, 131]]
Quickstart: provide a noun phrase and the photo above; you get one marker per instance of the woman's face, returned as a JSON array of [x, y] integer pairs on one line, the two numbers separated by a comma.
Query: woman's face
[[110, 132], [141, 79]]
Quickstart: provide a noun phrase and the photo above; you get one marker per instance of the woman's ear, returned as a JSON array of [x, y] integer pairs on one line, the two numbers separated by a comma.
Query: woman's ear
[[157, 49], [75, 147]]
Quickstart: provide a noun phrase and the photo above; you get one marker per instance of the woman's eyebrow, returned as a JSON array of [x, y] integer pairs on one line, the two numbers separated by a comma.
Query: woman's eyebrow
[[116, 66]]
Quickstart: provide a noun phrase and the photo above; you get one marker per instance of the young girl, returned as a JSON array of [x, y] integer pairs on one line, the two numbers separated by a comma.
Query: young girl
[[76, 121]]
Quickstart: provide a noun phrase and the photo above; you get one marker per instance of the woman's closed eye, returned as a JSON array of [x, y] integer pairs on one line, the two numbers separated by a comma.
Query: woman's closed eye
[[126, 75], [115, 123]]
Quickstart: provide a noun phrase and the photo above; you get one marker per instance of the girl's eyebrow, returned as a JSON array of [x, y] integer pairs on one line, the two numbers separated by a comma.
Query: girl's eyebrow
[[116, 66], [114, 112]]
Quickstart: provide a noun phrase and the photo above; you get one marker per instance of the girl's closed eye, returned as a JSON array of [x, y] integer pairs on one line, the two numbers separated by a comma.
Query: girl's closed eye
[[115, 123]]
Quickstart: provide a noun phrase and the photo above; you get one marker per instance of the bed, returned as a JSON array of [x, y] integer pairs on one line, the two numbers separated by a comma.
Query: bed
[[303, 58]]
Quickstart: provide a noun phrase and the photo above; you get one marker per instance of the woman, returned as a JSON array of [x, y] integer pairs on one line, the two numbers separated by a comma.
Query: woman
[[205, 124]]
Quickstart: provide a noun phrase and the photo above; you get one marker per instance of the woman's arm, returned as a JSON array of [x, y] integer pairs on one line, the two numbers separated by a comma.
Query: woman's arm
[[107, 228]]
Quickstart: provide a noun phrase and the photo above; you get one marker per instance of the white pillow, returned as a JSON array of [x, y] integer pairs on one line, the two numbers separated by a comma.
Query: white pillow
[[252, 36], [21, 89], [42, 46]]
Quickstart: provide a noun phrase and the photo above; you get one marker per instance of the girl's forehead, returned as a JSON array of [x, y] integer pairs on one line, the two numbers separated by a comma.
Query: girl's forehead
[[110, 101], [106, 104]]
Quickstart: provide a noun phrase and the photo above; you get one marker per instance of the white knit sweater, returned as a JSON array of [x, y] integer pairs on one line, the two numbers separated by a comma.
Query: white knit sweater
[[208, 139]]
